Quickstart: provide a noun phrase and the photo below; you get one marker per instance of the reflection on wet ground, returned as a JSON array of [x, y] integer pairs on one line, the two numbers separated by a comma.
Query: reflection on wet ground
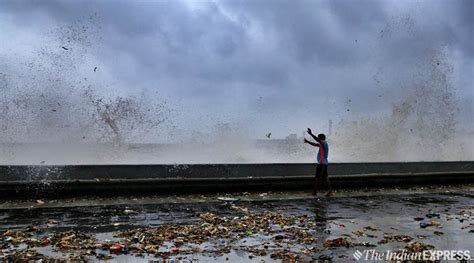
[[279, 227]]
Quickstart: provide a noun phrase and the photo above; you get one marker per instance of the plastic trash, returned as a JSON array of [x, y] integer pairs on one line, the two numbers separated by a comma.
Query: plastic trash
[[228, 199]]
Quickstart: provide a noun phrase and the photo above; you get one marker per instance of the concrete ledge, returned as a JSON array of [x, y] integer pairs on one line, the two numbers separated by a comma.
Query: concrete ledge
[[72, 172], [168, 185]]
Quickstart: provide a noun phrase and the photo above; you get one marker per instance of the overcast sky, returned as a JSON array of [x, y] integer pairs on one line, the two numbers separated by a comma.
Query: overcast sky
[[257, 66]]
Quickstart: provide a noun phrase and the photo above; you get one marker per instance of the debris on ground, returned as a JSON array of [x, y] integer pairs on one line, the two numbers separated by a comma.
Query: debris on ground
[[286, 231], [424, 225], [430, 223], [358, 232], [71, 240], [364, 244], [118, 248], [370, 228], [324, 258], [418, 247], [435, 223], [26, 255], [337, 242], [228, 199], [388, 237], [432, 214], [290, 232]]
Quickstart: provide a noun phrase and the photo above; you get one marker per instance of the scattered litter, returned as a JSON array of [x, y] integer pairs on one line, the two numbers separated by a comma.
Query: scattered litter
[[240, 209], [370, 228], [387, 237], [364, 244], [418, 247], [358, 232], [432, 214], [52, 223], [325, 258], [431, 223], [228, 199], [435, 223], [218, 229], [424, 225], [102, 256], [279, 237], [118, 248], [129, 211], [338, 242], [371, 236]]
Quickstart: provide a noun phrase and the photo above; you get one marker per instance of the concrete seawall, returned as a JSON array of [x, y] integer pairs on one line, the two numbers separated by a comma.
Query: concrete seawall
[[133, 179]]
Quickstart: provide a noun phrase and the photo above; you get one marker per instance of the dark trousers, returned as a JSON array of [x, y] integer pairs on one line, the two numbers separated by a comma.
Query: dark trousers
[[321, 175], [321, 171]]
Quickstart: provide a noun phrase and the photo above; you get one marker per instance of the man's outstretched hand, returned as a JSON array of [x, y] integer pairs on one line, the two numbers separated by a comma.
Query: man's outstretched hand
[[309, 131], [306, 141]]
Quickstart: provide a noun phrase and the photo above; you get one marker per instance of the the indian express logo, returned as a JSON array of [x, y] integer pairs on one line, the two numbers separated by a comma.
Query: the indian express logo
[[358, 254], [402, 255]]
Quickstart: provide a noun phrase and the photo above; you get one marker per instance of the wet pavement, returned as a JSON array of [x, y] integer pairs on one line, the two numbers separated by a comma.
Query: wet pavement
[[269, 227]]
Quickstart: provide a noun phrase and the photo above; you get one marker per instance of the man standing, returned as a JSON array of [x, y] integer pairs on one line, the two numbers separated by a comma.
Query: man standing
[[322, 167]]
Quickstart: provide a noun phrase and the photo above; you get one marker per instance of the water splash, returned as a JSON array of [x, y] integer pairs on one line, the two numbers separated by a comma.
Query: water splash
[[53, 100]]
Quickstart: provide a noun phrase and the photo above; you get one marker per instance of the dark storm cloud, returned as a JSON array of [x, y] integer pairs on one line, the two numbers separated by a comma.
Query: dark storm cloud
[[358, 14], [463, 25], [170, 38], [315, 31], [172, 41]]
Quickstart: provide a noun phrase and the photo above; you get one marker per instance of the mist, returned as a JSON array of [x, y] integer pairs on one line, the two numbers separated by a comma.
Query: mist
[[235, 81]]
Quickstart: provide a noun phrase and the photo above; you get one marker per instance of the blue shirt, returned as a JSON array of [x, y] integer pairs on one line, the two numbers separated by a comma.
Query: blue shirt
[[323, 152]]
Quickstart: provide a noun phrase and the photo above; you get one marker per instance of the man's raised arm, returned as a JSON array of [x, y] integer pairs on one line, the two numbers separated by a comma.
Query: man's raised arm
[[314, 136], [311, 143]]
